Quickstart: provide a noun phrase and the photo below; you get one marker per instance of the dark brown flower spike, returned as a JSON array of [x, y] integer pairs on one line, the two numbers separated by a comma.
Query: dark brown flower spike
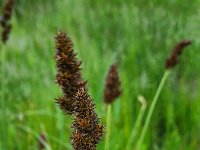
[[87, 131], [172, 61], [68, 72], [5, 33], [112, 88], [5, 18]]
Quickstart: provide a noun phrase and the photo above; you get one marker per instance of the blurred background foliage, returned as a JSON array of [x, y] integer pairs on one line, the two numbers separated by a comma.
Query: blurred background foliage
[[137, 34]]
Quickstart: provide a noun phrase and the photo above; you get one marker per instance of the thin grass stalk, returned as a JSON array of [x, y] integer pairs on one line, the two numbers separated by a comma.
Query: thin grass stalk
[[108, 126], [36, 135], [137, 124], [52, 138], [3, 89], [152, 107], [41, 140]]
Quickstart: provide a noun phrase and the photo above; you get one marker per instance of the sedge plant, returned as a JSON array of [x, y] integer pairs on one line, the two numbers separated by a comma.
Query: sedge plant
[[111, 92], [75, 101], [170, 63]]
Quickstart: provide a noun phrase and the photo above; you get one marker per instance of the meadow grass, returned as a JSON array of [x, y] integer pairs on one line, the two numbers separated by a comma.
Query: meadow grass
[[138, 34]]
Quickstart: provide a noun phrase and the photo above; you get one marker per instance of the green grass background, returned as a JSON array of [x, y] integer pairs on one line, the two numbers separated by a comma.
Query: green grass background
[[138, 34]]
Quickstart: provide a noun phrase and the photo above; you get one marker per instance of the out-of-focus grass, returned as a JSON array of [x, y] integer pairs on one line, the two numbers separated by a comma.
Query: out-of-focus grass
[[138, 34]]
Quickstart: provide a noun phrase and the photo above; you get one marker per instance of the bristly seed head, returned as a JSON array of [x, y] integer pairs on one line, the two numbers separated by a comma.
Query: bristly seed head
[[112, 88], [68, 72], [75, 100], [172, 61], [87, 129]]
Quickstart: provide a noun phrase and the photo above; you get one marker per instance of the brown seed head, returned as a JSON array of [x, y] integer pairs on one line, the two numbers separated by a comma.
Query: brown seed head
[[172, 61], [87, 129], [7, 9], [5, 33], [68, 75], [75, 100], [5, 18], [112, 88]]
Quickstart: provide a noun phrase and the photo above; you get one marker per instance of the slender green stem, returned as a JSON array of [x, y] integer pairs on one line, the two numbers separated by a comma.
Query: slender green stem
[[108, 126], [36, 135], [149, 115], [3, 90], [136, 126]]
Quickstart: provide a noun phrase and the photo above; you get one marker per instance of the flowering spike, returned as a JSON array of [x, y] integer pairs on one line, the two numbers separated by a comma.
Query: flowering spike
[[112, 88], [75, 100], [172, 61], [5, 18], [87, 130], [68, 75]]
